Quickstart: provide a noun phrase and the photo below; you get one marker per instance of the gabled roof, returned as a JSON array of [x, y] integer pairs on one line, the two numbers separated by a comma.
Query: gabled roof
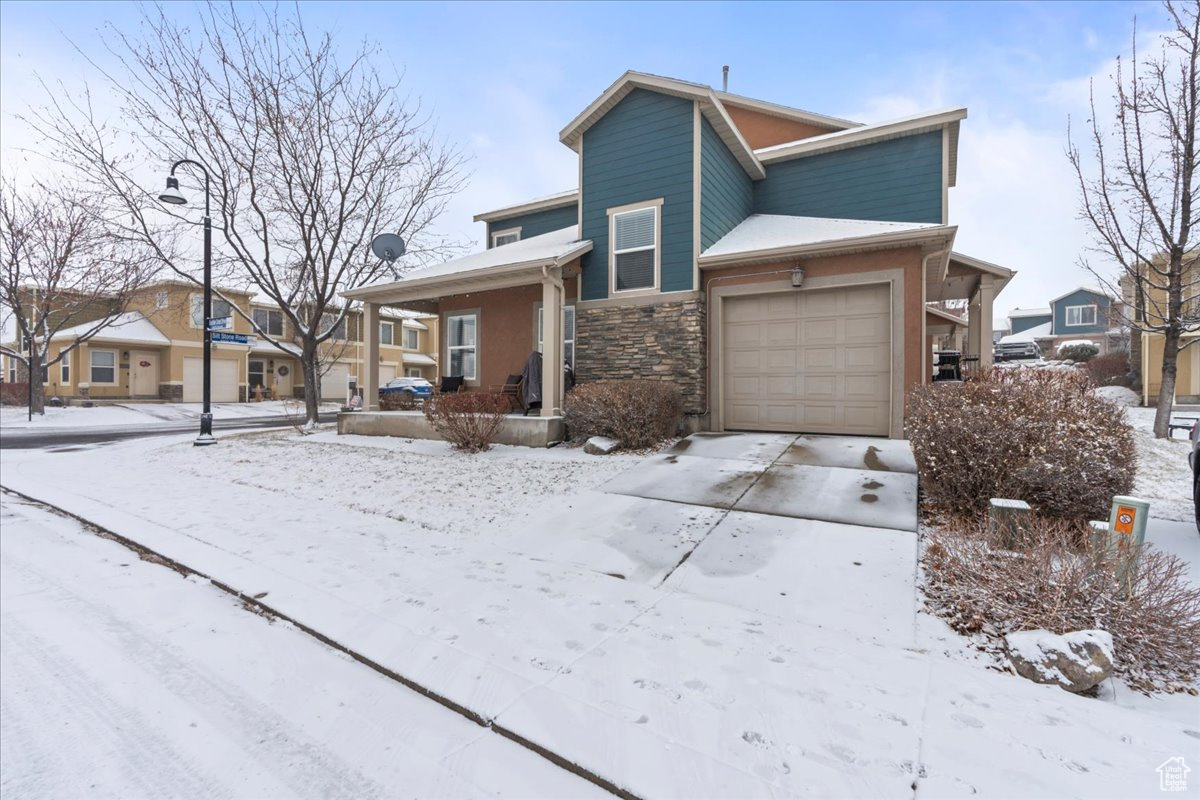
[[560, 200], [710, 107], [864, 134], [937, 312], [765, 237], [1018, 313], [518, 261], [786, 112], [131, 326], [1090, 289]]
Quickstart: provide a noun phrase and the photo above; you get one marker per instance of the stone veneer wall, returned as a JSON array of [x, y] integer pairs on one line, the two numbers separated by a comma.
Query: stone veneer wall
[[664, 341], [171, 392]]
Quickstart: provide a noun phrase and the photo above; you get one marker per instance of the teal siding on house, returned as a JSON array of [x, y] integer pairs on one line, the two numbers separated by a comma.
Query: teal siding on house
[[640, 150], [726, 191], [898, 180], [1025, 323], [1081, 298], [536, 223]]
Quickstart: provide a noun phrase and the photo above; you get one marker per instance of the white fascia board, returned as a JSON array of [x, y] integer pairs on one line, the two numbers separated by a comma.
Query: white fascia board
[[542, 204], [1088, 289], [940, 233], [573, 133], [719, 118], [866, 134]]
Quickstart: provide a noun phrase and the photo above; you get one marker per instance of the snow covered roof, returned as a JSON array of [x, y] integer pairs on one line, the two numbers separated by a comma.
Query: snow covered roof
[[131, 327], [540, 204], [526, 256], [1017, 313], [764, 236], [263, 346], [1037, 332], [419, 359]]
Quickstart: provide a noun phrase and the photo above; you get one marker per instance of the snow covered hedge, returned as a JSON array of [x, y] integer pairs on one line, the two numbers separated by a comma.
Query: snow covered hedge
[[637, 413], [1054, 580], [1035, 435]]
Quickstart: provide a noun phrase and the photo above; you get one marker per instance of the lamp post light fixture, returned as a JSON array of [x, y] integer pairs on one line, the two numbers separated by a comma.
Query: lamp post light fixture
[[174, 197]]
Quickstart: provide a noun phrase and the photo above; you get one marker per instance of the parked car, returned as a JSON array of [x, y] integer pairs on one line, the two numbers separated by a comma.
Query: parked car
[[1011, 351], [417, 387], [1194, 460]]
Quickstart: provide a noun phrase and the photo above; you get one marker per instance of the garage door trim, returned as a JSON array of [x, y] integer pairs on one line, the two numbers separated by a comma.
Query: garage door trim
[[716, 322]]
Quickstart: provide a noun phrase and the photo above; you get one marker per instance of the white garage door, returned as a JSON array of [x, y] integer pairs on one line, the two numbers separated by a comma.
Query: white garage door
[[387, 372], [335, 383], [224, 380], [814, 361]]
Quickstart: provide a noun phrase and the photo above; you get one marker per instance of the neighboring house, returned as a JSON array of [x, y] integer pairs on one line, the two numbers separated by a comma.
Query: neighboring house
[[1022, 319], [155, 351], [1146, 349], [1082, 314], [772, 262]]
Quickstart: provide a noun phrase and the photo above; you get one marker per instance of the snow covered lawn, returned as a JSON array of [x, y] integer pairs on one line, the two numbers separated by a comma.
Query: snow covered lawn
[[132, 413], [508, 583], [1163, 475]]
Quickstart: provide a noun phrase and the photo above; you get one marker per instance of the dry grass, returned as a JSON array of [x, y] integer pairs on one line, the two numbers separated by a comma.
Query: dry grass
[[637, 413]]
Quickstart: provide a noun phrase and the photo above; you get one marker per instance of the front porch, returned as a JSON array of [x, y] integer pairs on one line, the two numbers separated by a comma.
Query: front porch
[[515, 430]]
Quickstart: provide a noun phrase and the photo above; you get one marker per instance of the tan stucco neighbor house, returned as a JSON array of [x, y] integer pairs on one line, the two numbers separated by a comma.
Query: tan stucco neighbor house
[[155, 350], [1146, 348], [774, 263]]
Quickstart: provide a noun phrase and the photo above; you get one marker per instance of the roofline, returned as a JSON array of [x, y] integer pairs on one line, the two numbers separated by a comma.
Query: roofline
[[500, 270], [554, 201], [865, 134], [949, 317], [1089, 289], [572, 134], [985, 266], [786, 112], [1027, 312], [873, 242]]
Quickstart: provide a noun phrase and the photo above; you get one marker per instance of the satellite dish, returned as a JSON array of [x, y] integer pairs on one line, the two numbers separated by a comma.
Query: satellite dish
[[387, 246]]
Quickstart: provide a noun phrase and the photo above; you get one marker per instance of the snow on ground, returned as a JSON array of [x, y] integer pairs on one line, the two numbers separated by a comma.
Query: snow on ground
[[1163, 474], [123, 680], [490, 579], [142, 413]]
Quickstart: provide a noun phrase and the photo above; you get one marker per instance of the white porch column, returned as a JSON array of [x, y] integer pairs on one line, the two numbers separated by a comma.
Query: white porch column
[[552, 343], [987, 295], [974, 328], [368, 378]]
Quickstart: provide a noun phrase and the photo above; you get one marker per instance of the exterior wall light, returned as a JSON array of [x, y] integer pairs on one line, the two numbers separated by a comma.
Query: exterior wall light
[[797, 277]]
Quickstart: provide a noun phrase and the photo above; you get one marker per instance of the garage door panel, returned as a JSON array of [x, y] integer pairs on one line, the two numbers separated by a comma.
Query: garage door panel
[[814, 360], [223, 377], [335, 383]]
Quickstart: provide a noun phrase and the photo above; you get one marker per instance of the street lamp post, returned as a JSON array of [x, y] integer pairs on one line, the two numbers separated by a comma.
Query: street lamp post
[[174, 197]]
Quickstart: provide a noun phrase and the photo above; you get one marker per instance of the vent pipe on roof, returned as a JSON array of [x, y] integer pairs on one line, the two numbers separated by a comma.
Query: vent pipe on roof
[[725, 78]]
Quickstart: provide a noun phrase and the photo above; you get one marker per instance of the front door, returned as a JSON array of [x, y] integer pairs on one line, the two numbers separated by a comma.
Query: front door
[[282, 386], [143, 364]]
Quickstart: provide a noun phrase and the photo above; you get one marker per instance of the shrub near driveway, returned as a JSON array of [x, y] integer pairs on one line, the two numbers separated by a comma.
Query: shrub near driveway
[[1033, 435], [637, 413]]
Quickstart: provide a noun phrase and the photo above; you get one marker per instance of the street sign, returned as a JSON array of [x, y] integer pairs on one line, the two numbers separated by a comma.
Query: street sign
[[220, 323], [231, 338]]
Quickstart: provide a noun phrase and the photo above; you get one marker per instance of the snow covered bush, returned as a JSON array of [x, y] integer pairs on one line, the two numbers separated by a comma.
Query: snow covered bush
[[1056, 581], [1035, 435], [1078, 352], [637, 413], [1111, 369], [468, 420]]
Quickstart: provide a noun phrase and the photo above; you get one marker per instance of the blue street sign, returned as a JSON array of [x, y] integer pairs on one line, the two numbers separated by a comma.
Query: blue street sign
[[231, 338], [220, 323]]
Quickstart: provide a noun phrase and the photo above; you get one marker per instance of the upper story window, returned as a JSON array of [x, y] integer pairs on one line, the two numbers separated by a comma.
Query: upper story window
[[1081, 315], [386, 333], [160, 300], [269, 321], [634, 237], [507, 236], [411, 339], [220, 308], [339, 329]]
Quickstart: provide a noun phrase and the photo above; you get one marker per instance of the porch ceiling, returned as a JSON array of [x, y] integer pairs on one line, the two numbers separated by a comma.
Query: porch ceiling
[[961, 278]]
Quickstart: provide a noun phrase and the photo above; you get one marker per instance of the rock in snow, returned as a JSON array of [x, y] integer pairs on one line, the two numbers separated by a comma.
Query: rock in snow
[[600, 445], [1075, 661]]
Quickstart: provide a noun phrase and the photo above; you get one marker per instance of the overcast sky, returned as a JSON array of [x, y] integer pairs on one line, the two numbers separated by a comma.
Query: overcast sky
[[502, 80]]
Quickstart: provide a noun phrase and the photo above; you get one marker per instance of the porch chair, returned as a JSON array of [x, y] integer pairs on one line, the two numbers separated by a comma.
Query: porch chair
[[512, 390], [451, 384]]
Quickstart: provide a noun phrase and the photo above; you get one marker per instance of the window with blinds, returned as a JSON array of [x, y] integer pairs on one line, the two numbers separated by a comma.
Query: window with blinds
[[635, 239]]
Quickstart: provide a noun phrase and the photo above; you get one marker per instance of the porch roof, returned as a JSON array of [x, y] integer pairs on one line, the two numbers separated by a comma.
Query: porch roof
[[772, 237], [419, 359], [128, 328], [513, 264]]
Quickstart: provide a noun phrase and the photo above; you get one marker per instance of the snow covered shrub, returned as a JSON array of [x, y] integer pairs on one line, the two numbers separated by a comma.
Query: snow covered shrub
[[1057, 582], [1078, 352], [468, 420], [1033, 435], [1109, 370], [637, 413]]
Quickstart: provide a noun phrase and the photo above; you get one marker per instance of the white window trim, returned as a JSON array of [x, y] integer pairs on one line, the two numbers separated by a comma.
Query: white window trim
[[415, 372], [538, 327], [390, 326], [470, 380], [266, 329], [613, 213], [417, 334], [116, 368], [506, 232], [1067, 316]]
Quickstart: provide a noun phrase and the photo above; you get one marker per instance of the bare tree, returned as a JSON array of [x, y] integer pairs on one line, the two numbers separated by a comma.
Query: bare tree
[[310, 155], [64, 275], [1139, 191]]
